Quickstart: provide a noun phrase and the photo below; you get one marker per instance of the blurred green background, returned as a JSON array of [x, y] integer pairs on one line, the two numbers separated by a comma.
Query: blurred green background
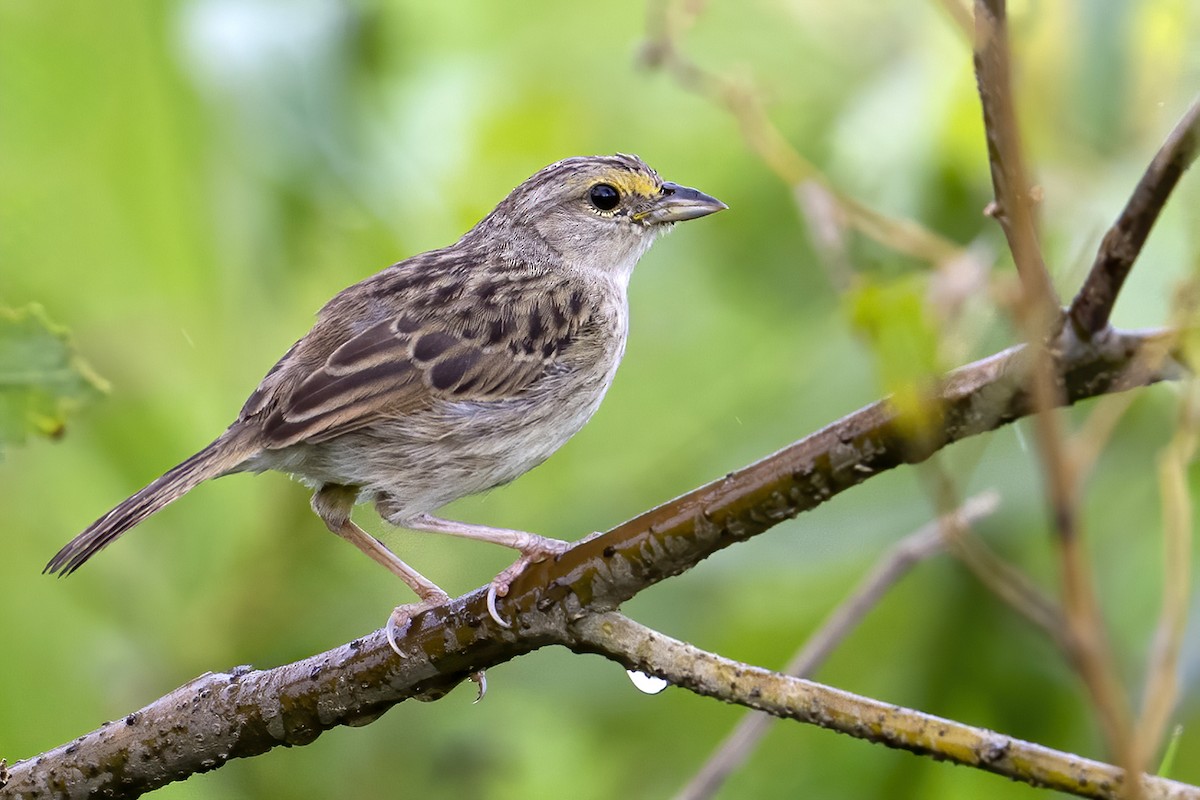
[[184, 183]]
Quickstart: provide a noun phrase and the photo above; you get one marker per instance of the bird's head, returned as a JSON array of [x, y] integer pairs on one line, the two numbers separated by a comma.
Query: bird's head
[[599, 212]]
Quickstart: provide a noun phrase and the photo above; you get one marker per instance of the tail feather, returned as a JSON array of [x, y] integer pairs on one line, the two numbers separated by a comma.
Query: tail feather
[[218, 458]]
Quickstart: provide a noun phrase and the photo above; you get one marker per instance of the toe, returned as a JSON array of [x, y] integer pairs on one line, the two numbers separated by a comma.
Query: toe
[[547, 548], [543, 549], [398, 622]]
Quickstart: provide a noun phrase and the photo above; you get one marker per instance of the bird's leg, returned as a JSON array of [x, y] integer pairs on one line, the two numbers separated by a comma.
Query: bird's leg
[[533, 548], [333, 505]]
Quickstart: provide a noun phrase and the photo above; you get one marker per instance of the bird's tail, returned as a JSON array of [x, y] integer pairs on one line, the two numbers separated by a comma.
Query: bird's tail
[[223, 455]]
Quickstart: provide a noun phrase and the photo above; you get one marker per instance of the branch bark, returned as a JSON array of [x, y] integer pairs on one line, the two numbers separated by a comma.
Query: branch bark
[[861, 717]]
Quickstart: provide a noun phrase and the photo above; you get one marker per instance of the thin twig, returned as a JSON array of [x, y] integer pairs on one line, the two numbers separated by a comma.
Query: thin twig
[[960, 14], [1013, 207], [825, 217], [1092, 307], [1010, 585], [1161, 691], [1002, 579], [1039, 317], [662, 51], [1085, 625], [681, 664], [914, 548], [1162, 674]]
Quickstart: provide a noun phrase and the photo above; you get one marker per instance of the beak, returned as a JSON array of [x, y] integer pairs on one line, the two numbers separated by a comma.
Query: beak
[[678, 203]]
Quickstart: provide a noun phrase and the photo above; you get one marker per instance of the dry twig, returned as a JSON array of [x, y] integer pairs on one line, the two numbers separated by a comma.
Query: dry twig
[[1161, 691], [1013, 206], [662, 51], [1040, 318], [1002, 579]]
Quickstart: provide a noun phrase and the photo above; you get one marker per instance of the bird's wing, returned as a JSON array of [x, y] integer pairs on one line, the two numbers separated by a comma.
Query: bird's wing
[[403, 363]]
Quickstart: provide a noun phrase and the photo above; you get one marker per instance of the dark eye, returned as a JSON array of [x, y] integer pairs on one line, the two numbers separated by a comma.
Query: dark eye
[[604, 196]]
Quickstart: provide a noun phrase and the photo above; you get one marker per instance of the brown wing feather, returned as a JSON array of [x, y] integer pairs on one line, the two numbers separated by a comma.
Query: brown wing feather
[[401, 364]]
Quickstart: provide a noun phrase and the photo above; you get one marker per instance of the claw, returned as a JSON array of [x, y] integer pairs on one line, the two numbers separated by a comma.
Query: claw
[[492, 594], [481, 679], [398, 622], [394, 628]]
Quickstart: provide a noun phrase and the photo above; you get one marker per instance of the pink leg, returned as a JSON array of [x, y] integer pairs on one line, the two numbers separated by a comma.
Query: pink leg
[[533, 548], [333, 505]]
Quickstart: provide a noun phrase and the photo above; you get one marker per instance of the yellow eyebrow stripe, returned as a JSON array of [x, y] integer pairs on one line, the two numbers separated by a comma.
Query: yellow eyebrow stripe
[[629, 183], [637, 184]]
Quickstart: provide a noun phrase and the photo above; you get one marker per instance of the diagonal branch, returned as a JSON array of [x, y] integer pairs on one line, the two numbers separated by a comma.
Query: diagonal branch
[[975, 399], [1005, 581], [883, 723], [1092, 307]]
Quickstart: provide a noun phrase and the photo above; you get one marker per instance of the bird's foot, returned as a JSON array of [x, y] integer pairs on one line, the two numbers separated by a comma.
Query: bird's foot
[[399, 621], [402, 616], [539, 548]]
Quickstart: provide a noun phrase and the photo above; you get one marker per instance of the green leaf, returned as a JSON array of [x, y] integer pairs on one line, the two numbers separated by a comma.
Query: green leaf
[[892, 316], [42, 378], [1168, 760]]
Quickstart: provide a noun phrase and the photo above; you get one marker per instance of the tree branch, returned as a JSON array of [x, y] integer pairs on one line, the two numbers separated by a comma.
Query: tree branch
[[1093, 305], [1009, 584], [863, 718]]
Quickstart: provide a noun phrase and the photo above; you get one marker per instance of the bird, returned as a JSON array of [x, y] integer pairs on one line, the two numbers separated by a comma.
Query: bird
[[448, 373]]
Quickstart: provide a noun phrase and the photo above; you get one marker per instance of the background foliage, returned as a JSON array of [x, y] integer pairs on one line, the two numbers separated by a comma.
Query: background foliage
[[183, 184]]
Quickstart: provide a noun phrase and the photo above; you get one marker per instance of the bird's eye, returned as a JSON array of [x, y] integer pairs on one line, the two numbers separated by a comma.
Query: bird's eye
[[604, 196]]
